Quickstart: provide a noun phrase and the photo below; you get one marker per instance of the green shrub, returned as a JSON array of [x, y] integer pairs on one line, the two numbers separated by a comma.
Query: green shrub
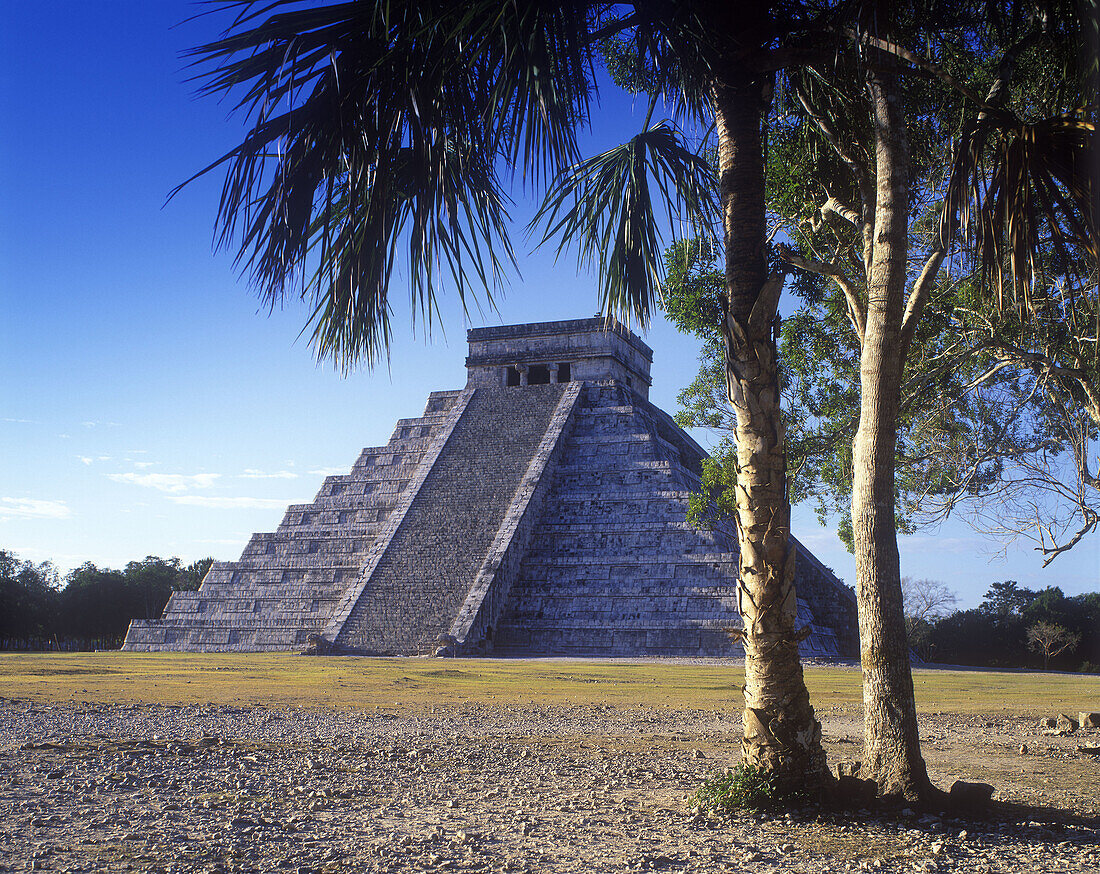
[[742, 788]]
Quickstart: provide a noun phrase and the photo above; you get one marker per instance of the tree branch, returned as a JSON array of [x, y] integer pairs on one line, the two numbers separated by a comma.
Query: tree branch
[[1053, 551], [858, 172], [612, 28], [856, 312], [847, 212], [922, 288], [916, 60]]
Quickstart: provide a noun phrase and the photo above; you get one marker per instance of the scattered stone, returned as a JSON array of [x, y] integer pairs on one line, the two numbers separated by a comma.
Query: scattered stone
[[1088, 720], [1067, 723], [474, 800], [852, 792], [970, 796], [1089, 750], [1023, 750]]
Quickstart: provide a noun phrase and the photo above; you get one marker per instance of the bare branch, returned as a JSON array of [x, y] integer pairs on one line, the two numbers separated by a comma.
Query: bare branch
[[1051, 553], [856, 312], [922, 288], [859, 172]]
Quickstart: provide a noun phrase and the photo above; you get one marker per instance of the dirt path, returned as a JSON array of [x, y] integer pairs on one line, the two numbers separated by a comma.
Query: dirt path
[[562, 789]]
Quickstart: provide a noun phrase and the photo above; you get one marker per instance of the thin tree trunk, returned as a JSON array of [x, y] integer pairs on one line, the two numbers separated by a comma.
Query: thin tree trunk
[[781, 734], [891, 754]]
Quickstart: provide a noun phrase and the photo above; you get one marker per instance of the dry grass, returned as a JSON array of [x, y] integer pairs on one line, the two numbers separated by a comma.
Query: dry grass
[[293, 680]]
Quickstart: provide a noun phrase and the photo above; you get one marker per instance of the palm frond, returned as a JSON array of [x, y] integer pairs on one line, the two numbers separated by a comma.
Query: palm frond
[[1016, 188], [376, 133], [605, 207]]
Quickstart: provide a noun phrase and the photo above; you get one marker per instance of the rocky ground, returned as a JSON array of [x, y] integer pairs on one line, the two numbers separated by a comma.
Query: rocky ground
[[586, 788]]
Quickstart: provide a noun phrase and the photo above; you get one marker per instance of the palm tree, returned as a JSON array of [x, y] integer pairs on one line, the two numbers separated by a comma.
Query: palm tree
[[387, 132]]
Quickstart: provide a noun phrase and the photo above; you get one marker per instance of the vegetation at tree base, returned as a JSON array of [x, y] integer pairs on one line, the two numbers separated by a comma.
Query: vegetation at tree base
[[91, 607], [741, 788], [999, 632]]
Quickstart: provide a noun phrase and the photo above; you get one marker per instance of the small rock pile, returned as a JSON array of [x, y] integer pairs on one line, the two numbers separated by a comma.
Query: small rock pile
[[1064, 725]]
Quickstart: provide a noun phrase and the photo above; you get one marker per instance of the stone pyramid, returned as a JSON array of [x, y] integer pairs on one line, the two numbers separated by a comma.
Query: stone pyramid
[[539, 510]]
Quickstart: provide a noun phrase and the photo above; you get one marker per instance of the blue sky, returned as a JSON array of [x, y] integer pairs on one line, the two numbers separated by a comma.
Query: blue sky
[[147, 406]]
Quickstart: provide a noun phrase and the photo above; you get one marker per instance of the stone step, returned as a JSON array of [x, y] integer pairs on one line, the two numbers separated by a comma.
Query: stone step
[[423, 577]]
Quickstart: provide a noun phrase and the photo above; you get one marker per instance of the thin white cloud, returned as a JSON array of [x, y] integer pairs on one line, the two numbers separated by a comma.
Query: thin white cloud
[[142, 464], [30, 508], [85, 459], [20, 421], [259, 474], [220, 503], [328, 471], [167, 482]]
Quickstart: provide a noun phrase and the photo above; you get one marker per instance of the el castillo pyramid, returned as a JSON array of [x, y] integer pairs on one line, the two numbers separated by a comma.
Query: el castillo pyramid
[[539, 510]]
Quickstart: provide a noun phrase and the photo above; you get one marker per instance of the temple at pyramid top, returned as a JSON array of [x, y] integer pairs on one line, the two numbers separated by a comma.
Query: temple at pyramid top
[[541, 509], [580, 350]]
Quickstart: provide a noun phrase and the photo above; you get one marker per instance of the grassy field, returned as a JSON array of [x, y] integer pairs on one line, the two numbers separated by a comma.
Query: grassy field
[[293, 680]]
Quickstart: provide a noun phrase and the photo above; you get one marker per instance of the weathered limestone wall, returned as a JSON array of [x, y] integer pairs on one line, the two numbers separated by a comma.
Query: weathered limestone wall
[[472, 630], [614, 569], [593, 350]]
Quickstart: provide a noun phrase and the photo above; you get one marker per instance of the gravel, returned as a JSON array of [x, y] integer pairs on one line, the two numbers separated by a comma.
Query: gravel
[[88, 787]]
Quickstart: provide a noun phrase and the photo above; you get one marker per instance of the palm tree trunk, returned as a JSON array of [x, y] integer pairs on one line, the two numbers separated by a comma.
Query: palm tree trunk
[[781, 734], [891, 754]]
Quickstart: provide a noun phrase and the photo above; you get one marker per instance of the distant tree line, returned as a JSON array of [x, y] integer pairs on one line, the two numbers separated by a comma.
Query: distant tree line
[[88, 608], [1013, 627]]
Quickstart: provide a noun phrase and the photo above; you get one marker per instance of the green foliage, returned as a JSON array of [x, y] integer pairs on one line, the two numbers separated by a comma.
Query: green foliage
[[715, 499], [742, 788], [94, 608], [604, 206], [28, 600], [695, 290], [973, 433], [1006, 599], [385, 136], [190, 577], [995, 634]]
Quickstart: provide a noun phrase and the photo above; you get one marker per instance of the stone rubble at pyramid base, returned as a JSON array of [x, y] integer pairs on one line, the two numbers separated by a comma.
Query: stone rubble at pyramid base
[[539, 511]]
